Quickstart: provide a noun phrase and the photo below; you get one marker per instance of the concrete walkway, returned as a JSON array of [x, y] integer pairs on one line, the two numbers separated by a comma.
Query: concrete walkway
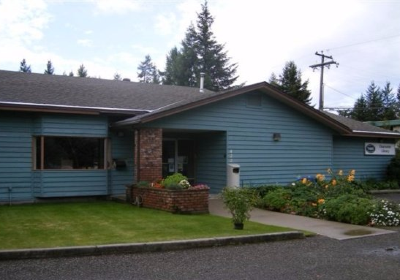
[[339, 231]]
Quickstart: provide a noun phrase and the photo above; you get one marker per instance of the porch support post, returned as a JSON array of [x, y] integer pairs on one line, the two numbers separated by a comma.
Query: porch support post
[[148, 154]]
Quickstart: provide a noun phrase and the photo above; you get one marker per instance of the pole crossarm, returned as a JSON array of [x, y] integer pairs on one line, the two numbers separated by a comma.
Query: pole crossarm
[[322, 65]]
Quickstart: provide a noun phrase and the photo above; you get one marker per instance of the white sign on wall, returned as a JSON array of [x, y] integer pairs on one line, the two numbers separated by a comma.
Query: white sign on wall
[[379, 149]]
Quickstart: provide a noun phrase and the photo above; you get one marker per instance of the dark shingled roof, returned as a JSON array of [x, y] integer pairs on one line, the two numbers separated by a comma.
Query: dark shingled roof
[[91, 92], [144, 102]]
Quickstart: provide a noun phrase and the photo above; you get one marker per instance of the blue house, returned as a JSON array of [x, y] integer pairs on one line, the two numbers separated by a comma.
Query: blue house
[[69, 137]]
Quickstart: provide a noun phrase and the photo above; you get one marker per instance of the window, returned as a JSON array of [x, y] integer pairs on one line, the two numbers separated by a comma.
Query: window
[[69, 153]]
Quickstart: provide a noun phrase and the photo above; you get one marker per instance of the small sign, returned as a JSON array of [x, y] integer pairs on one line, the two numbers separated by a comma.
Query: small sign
[[385, 149]]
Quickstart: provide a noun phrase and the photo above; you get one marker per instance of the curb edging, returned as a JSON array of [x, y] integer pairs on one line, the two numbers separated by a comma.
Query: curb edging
[[134, 248]]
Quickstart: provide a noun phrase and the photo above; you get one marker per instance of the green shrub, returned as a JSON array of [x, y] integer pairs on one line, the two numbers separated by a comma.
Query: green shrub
[[348, 208], [261, 191], [393, 169], [239, 202], [385, 213], [172, 181], [277, 199]]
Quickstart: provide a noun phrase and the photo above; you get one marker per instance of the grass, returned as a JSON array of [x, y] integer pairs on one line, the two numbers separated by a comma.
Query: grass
[[96, 223]]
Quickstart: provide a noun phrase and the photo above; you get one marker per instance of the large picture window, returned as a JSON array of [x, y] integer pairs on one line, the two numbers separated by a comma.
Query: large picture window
[[69, 153]]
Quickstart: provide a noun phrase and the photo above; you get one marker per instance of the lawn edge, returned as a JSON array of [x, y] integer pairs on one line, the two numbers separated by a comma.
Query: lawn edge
[[134, 248]]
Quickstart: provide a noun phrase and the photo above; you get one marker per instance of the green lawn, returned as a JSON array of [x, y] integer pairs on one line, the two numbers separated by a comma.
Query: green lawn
[[96, 223]]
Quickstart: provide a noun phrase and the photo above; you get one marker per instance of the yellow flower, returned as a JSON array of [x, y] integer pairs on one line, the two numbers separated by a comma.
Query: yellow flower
[[334, 182], [326, 186], [340, 173], [321, 200], [352, 172], [350, 178], [314, 204], [304, 181]]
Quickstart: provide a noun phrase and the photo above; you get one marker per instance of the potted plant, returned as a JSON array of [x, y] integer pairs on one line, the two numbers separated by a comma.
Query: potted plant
[[239, 202]]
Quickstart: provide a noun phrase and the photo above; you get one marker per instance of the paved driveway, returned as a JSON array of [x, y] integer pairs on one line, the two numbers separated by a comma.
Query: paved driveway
[[368, 258]]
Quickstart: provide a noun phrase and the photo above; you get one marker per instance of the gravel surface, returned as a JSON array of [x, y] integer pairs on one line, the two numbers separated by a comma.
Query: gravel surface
[[376, 257]]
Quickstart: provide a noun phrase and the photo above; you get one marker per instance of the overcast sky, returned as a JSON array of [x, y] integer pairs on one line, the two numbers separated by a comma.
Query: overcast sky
[[110, 36]]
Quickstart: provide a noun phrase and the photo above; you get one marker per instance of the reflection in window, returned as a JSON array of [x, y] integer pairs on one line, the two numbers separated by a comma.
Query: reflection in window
[[69, 153]]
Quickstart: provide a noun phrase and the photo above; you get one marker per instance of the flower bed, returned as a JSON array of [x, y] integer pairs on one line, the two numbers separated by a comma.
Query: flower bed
[[339, 198], [189, 201], [173, 194]]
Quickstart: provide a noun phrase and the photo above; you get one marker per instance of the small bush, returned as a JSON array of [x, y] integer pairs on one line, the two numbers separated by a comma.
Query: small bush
[[393, 169], [348, 208], [277, 199], [385, 213], [173, 181]]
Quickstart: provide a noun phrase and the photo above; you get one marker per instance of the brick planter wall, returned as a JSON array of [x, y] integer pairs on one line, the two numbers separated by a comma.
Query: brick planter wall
[[175, 201]]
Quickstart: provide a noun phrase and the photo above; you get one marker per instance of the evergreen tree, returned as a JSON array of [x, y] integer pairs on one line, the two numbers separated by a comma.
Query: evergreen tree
[[213, 60], [117, 76], [273, 80], [200, 52], [82, 72], [360, 111], [24, 67], [49, 68], [71, 74], [375, 105], [374, 101], [290, 82], [148, 72], [389, 103]]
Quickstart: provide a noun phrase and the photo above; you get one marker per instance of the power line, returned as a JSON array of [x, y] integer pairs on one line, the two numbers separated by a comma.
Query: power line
[[362, 43]]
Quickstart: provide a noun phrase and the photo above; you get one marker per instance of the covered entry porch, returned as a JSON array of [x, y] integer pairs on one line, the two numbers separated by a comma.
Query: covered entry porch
[[199, 155]]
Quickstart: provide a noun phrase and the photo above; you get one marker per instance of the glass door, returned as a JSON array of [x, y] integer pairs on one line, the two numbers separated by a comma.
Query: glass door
[[178, 156]]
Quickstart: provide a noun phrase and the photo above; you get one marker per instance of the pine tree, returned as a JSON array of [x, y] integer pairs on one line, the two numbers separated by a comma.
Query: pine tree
[[71, 74], [389, 103], [24, 67], [148, 72], [200, 52], [360, 110], [82, 72], [49, 68], [290, 82], [374, 101]]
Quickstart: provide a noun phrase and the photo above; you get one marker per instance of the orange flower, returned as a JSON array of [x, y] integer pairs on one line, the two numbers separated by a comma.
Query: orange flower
[[321, 200], [334, 182], [304, 181], [314, 204]]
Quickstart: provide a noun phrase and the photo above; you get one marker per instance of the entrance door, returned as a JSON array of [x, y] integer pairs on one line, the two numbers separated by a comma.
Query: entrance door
[[178, 156]]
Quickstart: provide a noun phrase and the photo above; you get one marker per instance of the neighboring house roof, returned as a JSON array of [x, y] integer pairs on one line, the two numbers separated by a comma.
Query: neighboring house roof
[[145, 102]]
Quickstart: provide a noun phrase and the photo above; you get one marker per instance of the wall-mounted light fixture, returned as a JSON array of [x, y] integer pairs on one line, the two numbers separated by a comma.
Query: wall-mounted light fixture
[[276, 137]]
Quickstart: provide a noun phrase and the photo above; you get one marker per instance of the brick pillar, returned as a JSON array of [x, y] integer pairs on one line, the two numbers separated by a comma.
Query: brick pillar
[[148, 159]]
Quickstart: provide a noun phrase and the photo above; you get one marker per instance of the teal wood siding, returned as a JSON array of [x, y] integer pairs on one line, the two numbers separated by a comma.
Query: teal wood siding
[[71, 125], [15, 156], [305, 147], [62, 183], [211, 160], [122, 148], [348, 154], [16, 169], [72, 183]]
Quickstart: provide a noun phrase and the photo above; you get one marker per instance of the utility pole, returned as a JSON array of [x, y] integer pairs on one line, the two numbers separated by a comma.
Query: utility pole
[[321, 85]]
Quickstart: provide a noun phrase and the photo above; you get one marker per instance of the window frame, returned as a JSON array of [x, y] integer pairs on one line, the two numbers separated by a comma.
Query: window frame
[[41, 139]]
